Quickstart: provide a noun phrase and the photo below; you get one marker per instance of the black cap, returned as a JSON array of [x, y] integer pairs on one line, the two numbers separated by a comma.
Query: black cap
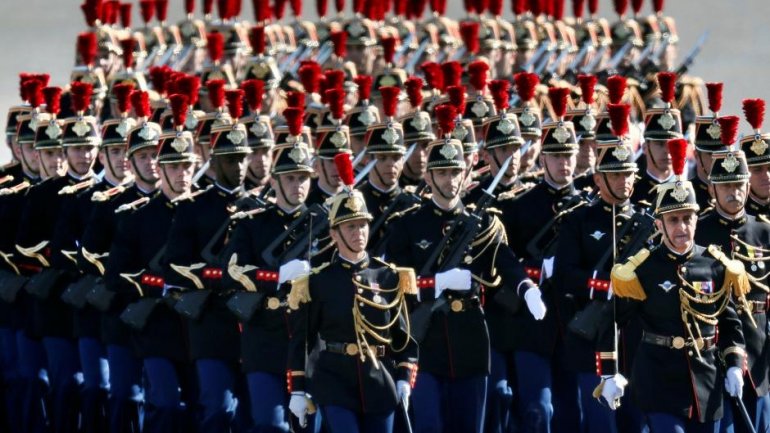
[[417, 127], [728, 166], [615, 156], [584, 122], [503, 130], [347, 205], [708, 134], [174, 147], [291, 158], [81, 131], [48, 134], [27, 126], [662, 124], [386, 137], [445, 153], [530, 120], [756, 147], [333, 140], [230, 139], [361, 117], [115, 131], [559, 137], [260, 133], [145, 135]]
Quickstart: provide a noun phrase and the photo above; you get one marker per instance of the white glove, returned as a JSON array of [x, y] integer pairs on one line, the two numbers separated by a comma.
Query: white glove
[[534, 298], [292, 270], [298, 407], [403, 391], [613, 390], [734, 381], [454, 279]]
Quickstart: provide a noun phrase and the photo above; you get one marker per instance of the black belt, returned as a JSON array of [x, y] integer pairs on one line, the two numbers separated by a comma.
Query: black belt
[[677, 342], [351, 349], [457, 305]]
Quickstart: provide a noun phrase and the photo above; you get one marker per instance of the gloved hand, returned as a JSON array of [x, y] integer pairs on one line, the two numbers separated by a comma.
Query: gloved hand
[[454, 279], [734, 381], [403, 391], [534, 298], [298, 407], [613, 389], [292, 270]]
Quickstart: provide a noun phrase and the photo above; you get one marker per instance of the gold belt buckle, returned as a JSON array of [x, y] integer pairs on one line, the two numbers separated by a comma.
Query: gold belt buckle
[[273, 303], [700, 342], [351, 349], [678, 343], [456, 305]]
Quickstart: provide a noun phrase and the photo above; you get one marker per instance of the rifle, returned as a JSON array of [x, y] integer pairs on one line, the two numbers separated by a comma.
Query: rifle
[[402, 201], [572, 70], [535, 251], [552, 70], [617, 58], [594, 64], [541, 49], [688, 61], [411, 64], [404, 48]]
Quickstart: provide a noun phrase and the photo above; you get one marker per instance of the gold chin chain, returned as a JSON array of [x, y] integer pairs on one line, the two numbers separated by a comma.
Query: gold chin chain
[[379, 333], [688, 309], [750, 257]]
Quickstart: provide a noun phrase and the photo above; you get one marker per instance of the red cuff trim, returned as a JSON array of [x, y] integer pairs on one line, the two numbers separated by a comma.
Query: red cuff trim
[[212, 273], [533, 273], [600, 285], [426, 282], [598, 365], [267, 276], [288, 381], [31, 268], [152, 280]]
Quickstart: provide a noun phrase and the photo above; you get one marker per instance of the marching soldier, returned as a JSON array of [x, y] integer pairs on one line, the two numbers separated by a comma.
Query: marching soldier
[[260, 271], [134, 274], [418, 130], [707, 141], [584, 121], [680, 292], [448, 319], [742, 237], [194, 243], [582, 265], [755, 147], [356, 305]]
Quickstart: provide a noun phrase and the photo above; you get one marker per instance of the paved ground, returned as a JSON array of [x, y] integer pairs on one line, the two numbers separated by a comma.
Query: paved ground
[[39, 36]]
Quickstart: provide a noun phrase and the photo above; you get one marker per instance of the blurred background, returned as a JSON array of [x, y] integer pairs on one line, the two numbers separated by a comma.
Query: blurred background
[[39, 36]]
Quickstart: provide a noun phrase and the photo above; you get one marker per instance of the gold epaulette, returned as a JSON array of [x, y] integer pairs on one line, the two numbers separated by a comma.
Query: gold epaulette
[[190, 195], [407, 281], [72, 189], [403, 212], [33, 252], [94, 259], [514, 192], [300, 288], [134, 205], [15, 189], [5, 179], [101, 196], [625, 283], [189, 272], [7, 257], [238, 273], [494, 211], [735, 273]]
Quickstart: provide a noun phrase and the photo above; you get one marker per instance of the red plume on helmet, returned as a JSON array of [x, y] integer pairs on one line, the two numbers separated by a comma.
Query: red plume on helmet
[[364, 83], [296, 7], [310, 76], [189, 6], [339, 6], [125, 14], [434, 76], [593, 6], [729, 129], [140, 100], [122, 94], [714, 91], [336, 100], [445, 114], [469, 32], [52, 96], [677, 148], [457, 98], [496, 7], [536, 7], [578, 6], [262, 11], [257, 40], [558, 97], [335, 78], [754, 109], [500, 90], [344, 168], [414, 91], [518, 7], [33, 90], [86, 47], [321, 7], [161, 10], [453, 72], [208, 7], [558, 10], [295, 99], [616, 85], [147, 10], [636, 6], [525, 85], [657, 6], [620, 6], [388, 48], [190, 85], [158, 77], [279, 9], [216, 90], [215, 43], [587, 85], [477, 73], [43, 78], [179, 104], [389, 100], [24, 77], [293, 116], [128, 45], [619, 118], [254, 91], [91, 12], [340, 40], [667, 84], [234, 103], [80, 95]]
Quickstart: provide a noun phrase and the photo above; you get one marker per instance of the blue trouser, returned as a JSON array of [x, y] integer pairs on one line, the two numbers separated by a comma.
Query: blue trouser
[[499, 417], [449, 405], [126, 394], [216, 379], [665, 423], [533, 374], [34, 376], [267, 394], [758, 409], [595, 418], [12, 386], [168, 386], [96, 384], [341, 420], [566, 398], [66, 379]]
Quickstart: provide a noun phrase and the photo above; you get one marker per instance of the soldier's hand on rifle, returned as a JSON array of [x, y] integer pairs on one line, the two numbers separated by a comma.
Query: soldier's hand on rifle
[[734, 381], [453, 279], [292, 270], [613, 389], [404, 390], [298, 406], [534, 298]]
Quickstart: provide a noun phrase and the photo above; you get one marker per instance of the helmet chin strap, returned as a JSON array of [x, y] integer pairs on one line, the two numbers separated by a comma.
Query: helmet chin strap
[[609, 189], [283, 193], [139, 173], [438, 189], [665, 233], [652, 158], [344, 242], [170, 185], [716, 199]]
